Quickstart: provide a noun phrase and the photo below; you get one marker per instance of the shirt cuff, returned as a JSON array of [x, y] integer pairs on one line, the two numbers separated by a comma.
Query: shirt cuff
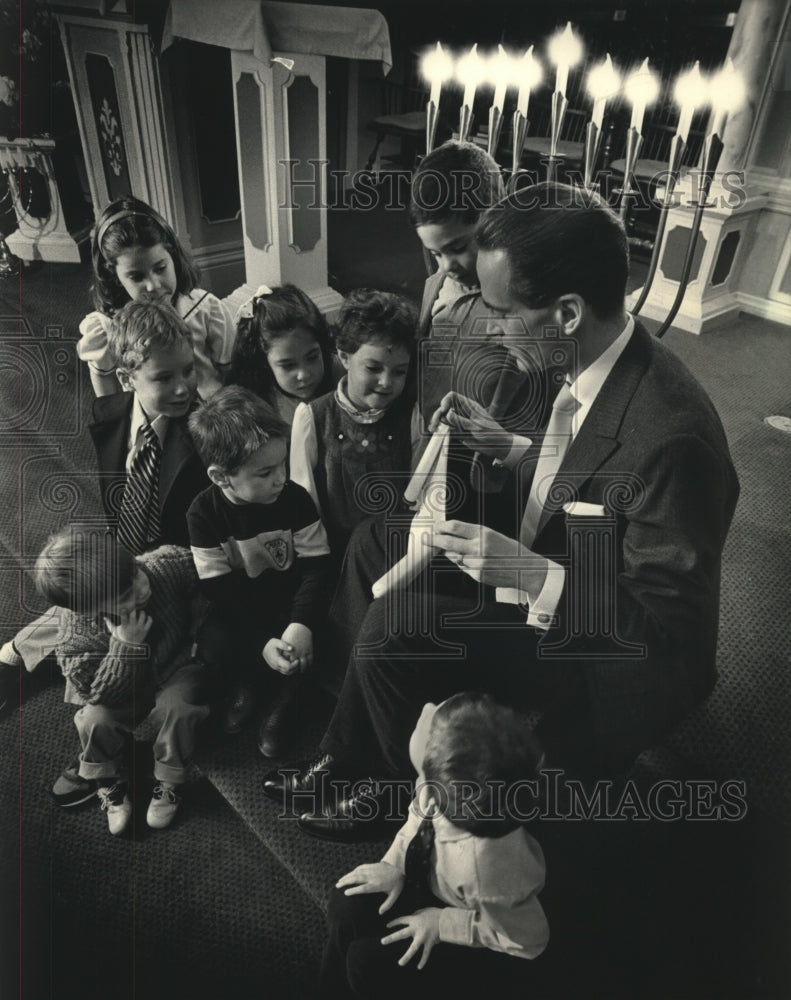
[[519, 446], [455, 925], [541, 611]]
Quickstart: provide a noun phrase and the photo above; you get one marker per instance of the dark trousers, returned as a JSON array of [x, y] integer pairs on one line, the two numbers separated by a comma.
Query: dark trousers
[[419, 646], [356, 964], [233, 655], [374, 546]]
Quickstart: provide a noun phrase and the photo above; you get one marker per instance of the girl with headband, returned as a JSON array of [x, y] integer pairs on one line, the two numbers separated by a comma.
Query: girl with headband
[[136, 255]]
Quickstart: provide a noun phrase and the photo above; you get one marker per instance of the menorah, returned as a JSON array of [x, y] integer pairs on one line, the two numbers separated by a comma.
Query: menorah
[[723, 91]]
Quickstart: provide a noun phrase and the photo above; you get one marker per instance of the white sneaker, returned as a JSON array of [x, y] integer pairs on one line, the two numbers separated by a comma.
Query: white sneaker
[[114, 800], [163, 806], [9, 656]]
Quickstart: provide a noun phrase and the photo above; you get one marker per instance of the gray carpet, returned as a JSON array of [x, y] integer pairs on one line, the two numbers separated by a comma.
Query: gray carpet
[[213, 893], [202, 906], [742, 731]]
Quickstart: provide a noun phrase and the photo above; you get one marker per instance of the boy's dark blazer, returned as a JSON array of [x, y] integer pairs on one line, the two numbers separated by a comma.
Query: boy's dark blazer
[[182, 474], [653, 453]]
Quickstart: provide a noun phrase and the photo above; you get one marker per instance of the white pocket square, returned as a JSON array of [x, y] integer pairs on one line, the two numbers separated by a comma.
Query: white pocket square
[[579, 509]]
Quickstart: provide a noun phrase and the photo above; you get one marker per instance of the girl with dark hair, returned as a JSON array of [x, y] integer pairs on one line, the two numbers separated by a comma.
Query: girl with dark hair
[[351, 440], [283, 349], [136, 256]]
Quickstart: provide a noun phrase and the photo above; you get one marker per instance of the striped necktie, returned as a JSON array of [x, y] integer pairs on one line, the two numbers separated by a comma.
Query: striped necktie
[[553, 450], [417, 864], [138, 522]]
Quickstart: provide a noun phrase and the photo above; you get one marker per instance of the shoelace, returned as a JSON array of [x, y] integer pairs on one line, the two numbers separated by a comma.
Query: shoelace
[[165, 793], [364, 796], [319, 765], [112, 796]]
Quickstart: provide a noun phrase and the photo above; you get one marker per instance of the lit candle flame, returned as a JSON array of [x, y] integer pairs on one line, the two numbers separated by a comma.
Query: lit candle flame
[[604, 82], [727, 94], [690, 92], [499, 66], [470, 71], [565, 51], [642, 89], [528, 75], [437, 67]]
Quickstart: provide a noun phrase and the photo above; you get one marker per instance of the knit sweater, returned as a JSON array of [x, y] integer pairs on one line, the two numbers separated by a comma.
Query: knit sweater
[[101, 669]]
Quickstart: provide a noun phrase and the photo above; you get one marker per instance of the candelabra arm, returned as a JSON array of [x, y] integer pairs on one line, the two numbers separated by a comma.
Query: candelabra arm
[[592, 147], [465, 121], [712, 150], [673, 169], [559, 106], [520, 127], [710, 157], [432, 114], [685, 271], [634, 143], [495, 127]]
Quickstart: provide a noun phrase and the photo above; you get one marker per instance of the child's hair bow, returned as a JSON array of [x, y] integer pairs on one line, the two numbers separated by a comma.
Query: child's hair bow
[[246, 309]]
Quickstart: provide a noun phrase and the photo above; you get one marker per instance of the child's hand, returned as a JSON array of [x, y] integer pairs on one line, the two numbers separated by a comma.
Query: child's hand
[[133, 627], [279, 656], [300, 638], [379, 877], [422, 927]]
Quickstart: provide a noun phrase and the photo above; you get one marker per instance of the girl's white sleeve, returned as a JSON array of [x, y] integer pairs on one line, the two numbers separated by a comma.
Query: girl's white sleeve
[[92, 345], [304, 451], [220, 331]]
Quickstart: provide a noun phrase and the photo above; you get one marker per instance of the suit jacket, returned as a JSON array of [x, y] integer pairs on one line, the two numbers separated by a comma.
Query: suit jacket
[[459, 357], [653, 453], [181, 476]]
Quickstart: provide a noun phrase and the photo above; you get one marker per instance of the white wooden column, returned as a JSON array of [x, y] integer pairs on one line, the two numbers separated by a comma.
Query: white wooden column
[[282, 157]]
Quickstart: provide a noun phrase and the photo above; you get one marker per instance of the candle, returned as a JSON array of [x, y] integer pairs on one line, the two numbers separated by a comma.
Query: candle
[[565, 51], [437, 67], [689, 92], [500, 70], [727, 93], [603, 84], [469, 71], [642, 89], [528, 72]]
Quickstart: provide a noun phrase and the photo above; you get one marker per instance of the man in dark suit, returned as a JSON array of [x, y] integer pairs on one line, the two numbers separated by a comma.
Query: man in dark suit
[[601, 605]]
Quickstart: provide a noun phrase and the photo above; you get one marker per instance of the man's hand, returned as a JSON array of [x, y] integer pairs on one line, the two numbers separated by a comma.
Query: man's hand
[[133, 627], [379, 877], [300, 638], [500, 561], [278, 655], [422, 927], [480, 432]]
